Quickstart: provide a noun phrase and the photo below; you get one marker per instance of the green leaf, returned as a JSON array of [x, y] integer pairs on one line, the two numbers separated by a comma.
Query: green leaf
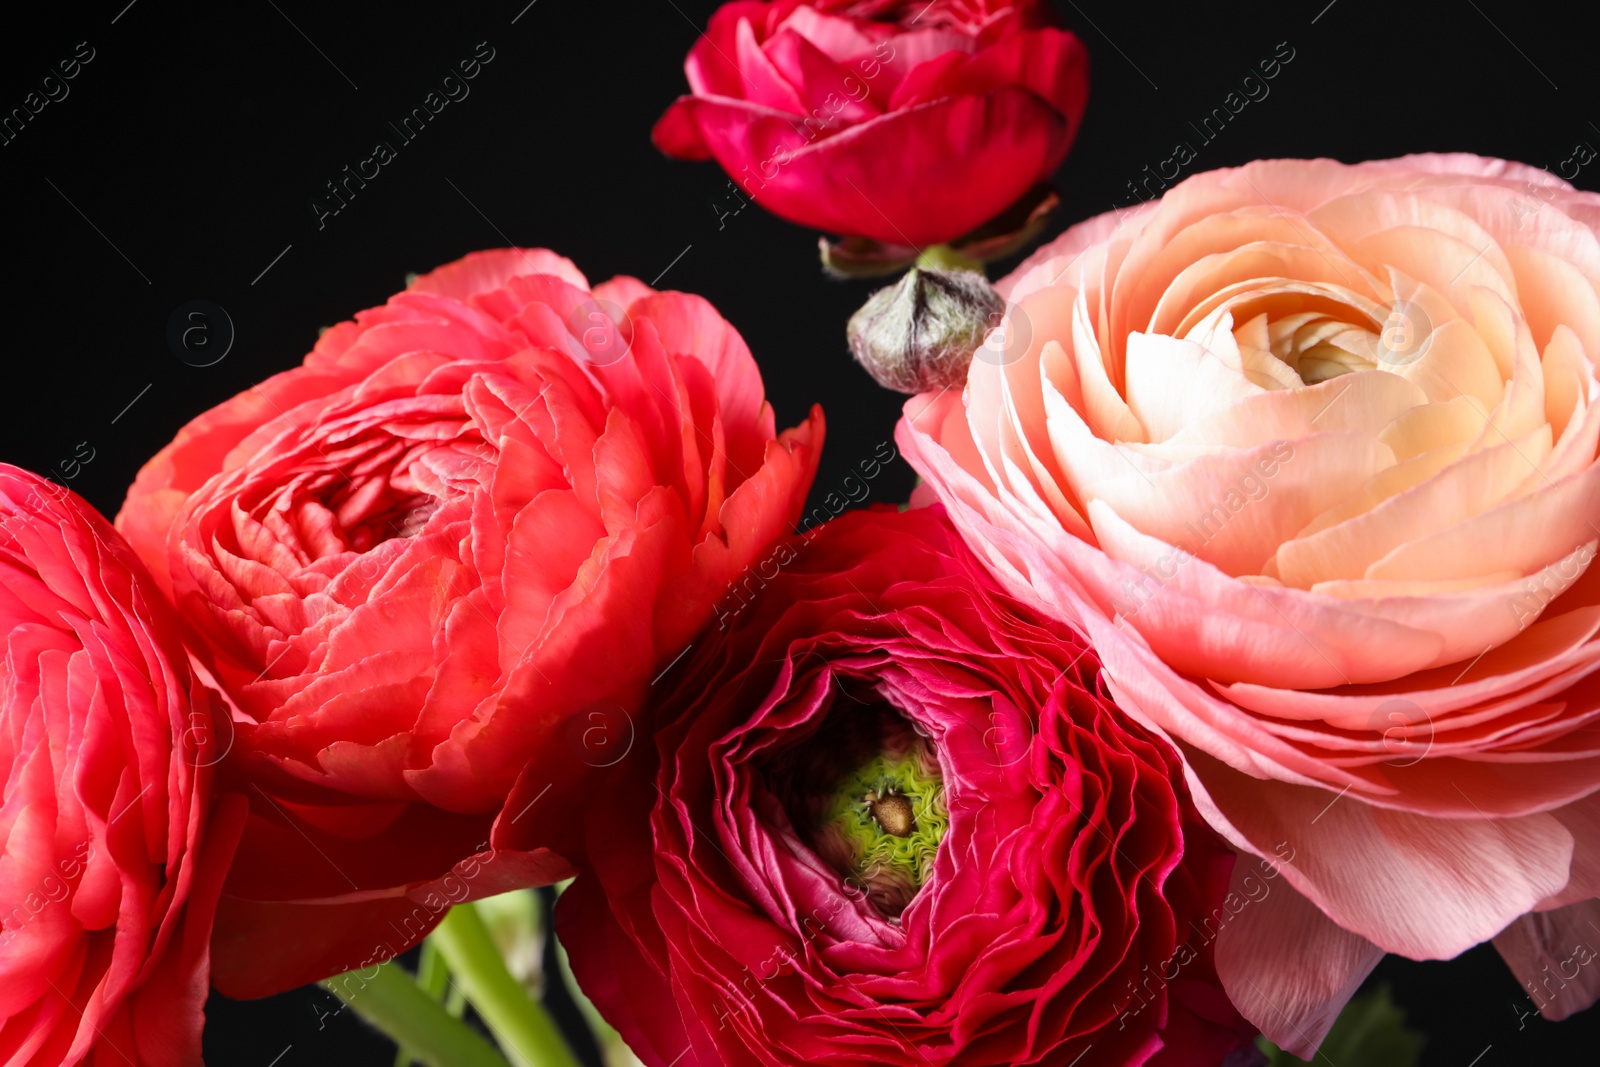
[[1371, 1031], [389, 999]]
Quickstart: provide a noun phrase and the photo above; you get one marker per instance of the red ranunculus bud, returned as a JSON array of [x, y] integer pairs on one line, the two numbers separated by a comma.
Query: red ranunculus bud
[[907, 123]]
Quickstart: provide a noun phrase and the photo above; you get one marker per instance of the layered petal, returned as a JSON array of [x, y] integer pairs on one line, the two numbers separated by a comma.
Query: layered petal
[[903, 126], [1322, 496], [889, 813], [475, 515], [112, 848]]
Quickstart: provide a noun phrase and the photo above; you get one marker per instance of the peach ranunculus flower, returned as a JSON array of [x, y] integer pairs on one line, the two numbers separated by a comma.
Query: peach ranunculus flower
[[1309, 450]]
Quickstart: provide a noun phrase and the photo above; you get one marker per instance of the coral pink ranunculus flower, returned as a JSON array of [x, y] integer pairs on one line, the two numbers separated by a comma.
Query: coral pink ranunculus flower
[[889, 815], [111, 853], [908, 122], [1310, 451], [495, 504]]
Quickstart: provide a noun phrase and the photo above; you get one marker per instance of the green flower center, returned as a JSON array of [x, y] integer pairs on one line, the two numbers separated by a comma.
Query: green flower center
[[865, 792], [883, 827]]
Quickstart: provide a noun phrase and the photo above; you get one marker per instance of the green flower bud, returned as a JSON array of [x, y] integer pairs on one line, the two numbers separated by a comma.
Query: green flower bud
[[920, 333]]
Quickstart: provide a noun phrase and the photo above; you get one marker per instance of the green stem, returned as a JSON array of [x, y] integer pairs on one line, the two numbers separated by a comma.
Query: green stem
[[432, 974], [432, 978], [395, 1004], [943, 257], [524, 1029]]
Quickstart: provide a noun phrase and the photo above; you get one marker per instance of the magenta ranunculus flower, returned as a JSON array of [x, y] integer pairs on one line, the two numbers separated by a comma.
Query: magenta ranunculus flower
[[890, 816], [1310, 451], [473, 517], [907, 122], [111, 850]]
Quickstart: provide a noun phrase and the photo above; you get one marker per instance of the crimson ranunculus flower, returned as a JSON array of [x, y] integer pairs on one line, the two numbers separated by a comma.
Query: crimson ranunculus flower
[[476, 518], [891, 816], [110, 855], [908, 122]]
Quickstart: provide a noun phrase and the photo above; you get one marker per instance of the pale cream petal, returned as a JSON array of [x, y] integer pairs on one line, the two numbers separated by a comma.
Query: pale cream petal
[[1285, 300], [1366, 589], [1568, 375], [1054, 367], [1003, 398], [1103, 407], [1457, 493], [1171, 382], [1233, 509], [1552, 218], [1221, 234], [1420, 226], [1568, 378], [1387, 483], [1366, 402], [1455, 422], [1526, 534], [1448, 265], [1555, 294], [1204, 623], [1268, 265], [1508, 339], [1456, 363]]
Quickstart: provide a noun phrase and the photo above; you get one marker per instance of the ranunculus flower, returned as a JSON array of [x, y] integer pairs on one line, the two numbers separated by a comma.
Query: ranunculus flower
[[475, 519], [907, 122], [111, 854], [1309, 450], [890, 816]]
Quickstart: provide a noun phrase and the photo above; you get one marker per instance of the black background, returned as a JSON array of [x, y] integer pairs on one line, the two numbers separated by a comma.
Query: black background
[[187, 153]]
